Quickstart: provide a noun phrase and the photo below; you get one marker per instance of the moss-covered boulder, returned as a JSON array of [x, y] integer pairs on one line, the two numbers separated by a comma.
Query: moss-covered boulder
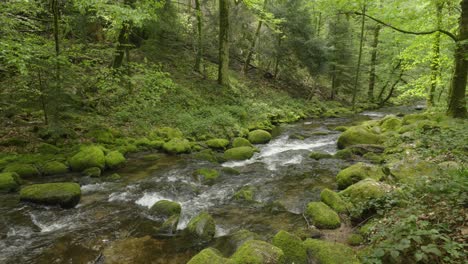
[[326, 252], [101, 136], [177, 146], [217, 143], [322, 216], [169, 227], [230, 171], [67, 194], [241, 142], [318, 155], [259, 136], [23, 170], [230, 243], [9, 182], [202, 227], [239, 153], [114, 159], [355, 240], [258, 252], [374, 158], [87, 157], [345, 154], [293, 249], [93, 172], [53, 168], [246, 193], [206, 154], [364, 190], [341, 128], [333, 200], [357, 172], [165, 209], [206, 175], [166, 133], [409, 171], [390, 123], [209, 256], [358, 135], [46, 148]]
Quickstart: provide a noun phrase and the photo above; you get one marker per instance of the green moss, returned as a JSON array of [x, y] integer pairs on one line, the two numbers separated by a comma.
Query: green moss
[[202, 227], [333, 200], [341, 128], [102, 136], [129, 148], [259, 136], [364, 190], [67, 195], [358, 135], [209, 256], [23, 170], [355, 240], [94, 172], [165, 209], [206, 175], [217, 143], [374, 158], [151, 157], [229, 170], [177, 146], [409, 171], [166, 133], [241, 142], [322, 216], [317, 155], [293, 249], [54, 167], [87, 157], [412, 118], [239, 153], [114, 177], [246, 193], [344, 154], [114, 159], [325, 252], [169, 227], [390, 123], [229, 244], [258, 252], [357, 172], [9, 182], [206, 154], [48, 149]]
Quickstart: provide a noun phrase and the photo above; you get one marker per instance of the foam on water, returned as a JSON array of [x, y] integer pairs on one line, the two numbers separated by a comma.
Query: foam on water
[[373, 114], [148, 199], [51, 226]]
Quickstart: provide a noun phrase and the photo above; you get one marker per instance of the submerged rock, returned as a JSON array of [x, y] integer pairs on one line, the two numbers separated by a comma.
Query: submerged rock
[[239, 153], [318, 155], [358, 135], [333, 200], [209, 256], [169, 227], [325, 252], [114, 159], [229, 244], [246, 193], [67, 195], [94, 172], [217, 143], [9, 182], [165, 209], [206, 175], [132, 250], [258, 252], [87, 157], [357, 172], [241, 142], [23, 170], [177, 146], [322, 216], [53, 168], [202, 227], [259, 136], [206, 154], [293, 249]]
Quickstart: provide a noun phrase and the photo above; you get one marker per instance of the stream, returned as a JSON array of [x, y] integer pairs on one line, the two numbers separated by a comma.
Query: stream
[[285, 178]]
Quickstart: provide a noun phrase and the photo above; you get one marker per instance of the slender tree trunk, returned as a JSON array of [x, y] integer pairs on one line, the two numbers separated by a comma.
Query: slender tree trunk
[[278, 57], [319, 24], [122, 46], [252, 45], [372, 76], [55, 113], [435, 63], [457, 97], [198, 60], [43, 99], [223, 69], [333, 86], [358, 70]]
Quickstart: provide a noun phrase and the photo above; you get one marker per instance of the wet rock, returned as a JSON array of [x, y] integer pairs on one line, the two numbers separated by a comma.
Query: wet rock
[[169, 227], [87, 157], [229, 244], [259, 136], [365, 190], [345, 154], [241, 142], [114, 159], [53, 168], [230, 171], [246, 193], [322, 216], [326, 252], [9, 182], [67, 195], [341, 128], [165, 209], [114, 177], [23, 170], [258, 252], [358, 135], [361, 149], [202, 227], [357, 172], [333, 200], [206, 154], [293, 249], [217, 143], [239, 153], [207, 176], [93, 172], [177, 146], [209, 255], [131, 250], [318, 155]]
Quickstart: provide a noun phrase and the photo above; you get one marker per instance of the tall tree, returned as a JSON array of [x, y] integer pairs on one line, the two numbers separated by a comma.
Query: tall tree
[[223, 68], [358, 68], [199, 55], [372, 75], [253, 43], [435, 61]]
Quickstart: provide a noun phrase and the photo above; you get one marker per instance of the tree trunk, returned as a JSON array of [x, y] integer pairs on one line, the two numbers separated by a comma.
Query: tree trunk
[[333, 84], [198, 60], [435, 63], [278, 57], [55, 112], [122, 46], [358, 70], [252, 46], [375, 43], [457, 97], [223, 68]]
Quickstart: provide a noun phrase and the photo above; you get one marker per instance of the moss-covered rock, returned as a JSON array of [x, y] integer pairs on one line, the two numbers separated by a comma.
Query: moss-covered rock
[[217, 143], [101, 136], [46, 148], [205, 175], [318, 155], [54, 167], [239, 153], [230, 243], [390, 123], [259, 136], [67, 195], [364, 190], [206, 154], [322, 216], [114, 159], [241, 142], [413, 118], [357, 172], [325, 252], [246, 193], [169, 227], [87, 157], [165, 209], [231, 171], [358, 135], [333, 200], [293, 249], [409, 171], [9, 182], [258, 252], [344, 154], [23, 170], [202, 227], [355, 240], [114, 177], [93, 172], [209, 256], [341, 128], [166, 133], [374, 158], [177, 146], [152, 157]]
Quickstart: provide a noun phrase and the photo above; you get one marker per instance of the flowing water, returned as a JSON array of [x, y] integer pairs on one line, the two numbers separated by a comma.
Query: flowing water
[[284, 177]]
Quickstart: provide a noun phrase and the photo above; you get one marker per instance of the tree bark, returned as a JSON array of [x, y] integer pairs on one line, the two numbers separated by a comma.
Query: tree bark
[[278, 57], [435, 62], [223, 68], [122, 46], [198, 60], [252, 45], [358, 70], [372, 76]]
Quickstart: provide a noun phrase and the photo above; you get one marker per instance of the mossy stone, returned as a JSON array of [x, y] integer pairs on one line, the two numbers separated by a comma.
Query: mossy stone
[[209, 256], [326, 252], [344, 154], [87, 157], [114, 159], [357, 172], [169, 227], [322, 216], [391, 124], [410, 171], [259, 136], [46, 148], [202, 227], [230, 243], [293, 249], [333, 200], [167, 133], [355, 240], [258, 252], [114, 177], [93, 172], [246, 193], [206, 154], [374, 158], [54, 167], [102, 136], [341, 128], [23, 170], [217, 143], [364, 190], [241, 142], [358, 135], [231, 171], [9, 182], [67, 195], [165, 209], [318, 155], [239, 153], [206, 175], [152, 157], [177, 146]]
